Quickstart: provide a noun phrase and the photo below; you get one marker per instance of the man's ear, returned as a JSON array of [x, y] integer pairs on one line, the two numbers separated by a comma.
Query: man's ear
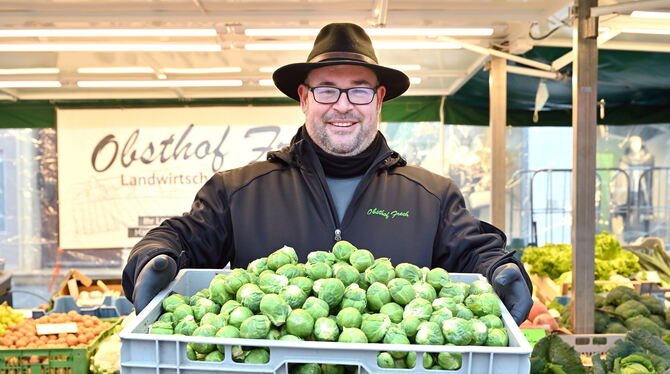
[[303, 93], [381, 92]]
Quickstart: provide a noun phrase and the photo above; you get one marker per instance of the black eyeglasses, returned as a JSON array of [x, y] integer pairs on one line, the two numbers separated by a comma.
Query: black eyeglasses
[[355, 95]]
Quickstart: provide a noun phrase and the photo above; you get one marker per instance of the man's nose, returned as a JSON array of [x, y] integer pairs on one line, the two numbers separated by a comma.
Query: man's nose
[[342, 104]]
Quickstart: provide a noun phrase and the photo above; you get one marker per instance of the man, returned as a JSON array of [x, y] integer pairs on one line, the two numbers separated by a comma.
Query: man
[[338, 180]]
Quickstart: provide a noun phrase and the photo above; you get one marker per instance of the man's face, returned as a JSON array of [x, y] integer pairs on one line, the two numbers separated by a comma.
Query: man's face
[[341, 128]]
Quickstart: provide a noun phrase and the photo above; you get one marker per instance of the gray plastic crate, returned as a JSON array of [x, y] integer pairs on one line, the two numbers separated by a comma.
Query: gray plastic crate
[[112, 307], [143, 353]]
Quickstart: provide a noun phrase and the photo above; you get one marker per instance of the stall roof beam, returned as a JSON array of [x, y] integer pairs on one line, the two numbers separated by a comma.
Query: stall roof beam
[[629, 7]]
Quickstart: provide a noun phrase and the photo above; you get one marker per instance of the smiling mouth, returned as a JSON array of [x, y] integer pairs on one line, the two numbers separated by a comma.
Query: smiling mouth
[[342, 124]]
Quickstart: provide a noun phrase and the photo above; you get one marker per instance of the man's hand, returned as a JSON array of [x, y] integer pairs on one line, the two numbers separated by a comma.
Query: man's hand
[[513, 291], [154, 277]]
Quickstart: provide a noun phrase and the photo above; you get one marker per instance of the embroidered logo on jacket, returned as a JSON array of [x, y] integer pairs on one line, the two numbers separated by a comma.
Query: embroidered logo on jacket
[[387, 214]]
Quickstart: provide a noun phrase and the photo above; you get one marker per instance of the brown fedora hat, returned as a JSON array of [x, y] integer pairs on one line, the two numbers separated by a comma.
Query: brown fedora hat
[[340, 44]]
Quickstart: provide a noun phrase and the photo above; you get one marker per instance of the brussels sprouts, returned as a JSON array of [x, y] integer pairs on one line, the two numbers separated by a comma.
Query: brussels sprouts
[[266, 271], [316, 307], [202, 294], [250, 295], [458, 291], [410, 360], [274, 334], [255, 327], [204, 306], [304, 283], [497, 337], [332, 369], [161, 328], [326, 329], [228, 307], [275, 308], [215, 320], [281, 257], [419, 308], [354, 297], [272, 283], [480, 332], [291, 271], [257, 356], [205, 331], [343, 250], [458, 331], [291, 338], [491, 321], [306, 369], [385, 360], [374, 326], [331, 291], [380, 271], [399, 363], [401, 291], [338, 265], [190, 353], [239, 315], [429, 333], [438, 278], [479, 287], [294, 296], [352, 335], [238, 353], [217, 291], [320, 256], [486, 303], [167, 317], [411, 326], [449, 360], [318, 270], [347, 274], [425, 291], [444, 302], [463, 312], [396, 335], [361, 259], [393, 310], [349, 317], [440, 316], [377, 295], [362, 283], [257, 266], [182, 311], [214, 356], [226, 332], [235, 279], [408, 271], [171, 302], [300, 323]]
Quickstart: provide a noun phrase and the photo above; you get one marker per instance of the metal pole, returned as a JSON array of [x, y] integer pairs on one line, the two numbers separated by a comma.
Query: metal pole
[[584, 126], [498, 121]]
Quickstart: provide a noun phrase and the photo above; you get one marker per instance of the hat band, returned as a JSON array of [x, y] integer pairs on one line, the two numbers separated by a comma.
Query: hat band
[[343, 55]]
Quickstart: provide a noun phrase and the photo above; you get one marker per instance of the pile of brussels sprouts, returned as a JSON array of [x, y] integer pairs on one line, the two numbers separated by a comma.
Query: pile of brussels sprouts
[[345, 295]]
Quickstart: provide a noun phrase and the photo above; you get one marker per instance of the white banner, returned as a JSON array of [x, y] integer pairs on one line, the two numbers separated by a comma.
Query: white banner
[[123, 171]]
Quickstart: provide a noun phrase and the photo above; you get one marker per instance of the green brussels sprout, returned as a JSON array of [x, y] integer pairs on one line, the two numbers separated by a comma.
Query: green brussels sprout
[[385, 360], [463, 312], [401, 291], [300, 323], [440, 316], [318, 270], [291, 271], [352, 335], [320, 256], [226, 332], [338, 265], [428, 360], [458, 331], [419, 308], [457, 290], [408, 271], [291, 338], [204, 331], [377, 295], [235, 279], [257, 266], [491, 321], [294, 296], [274, 334], [239, 315], [275, 308], [444, 302], [171, 302], [449, 360], [355, 297], [266, 271], [272, 283], [396, 335], [480, 332], [190, 353], [375, 326], [281, 257], [217, 291], [304, 283], [332, 369], [361, 259], [250, 295], [343, 250], [161, 328], [399, 363], [316, 307], [331, 290], [486, 303], [425, 291], [429, 333], [362, 283], [167, 317], [238, 353], [347, 274], [228, 307], [410, 360], [257, 356], [380, 271], [182, 311], [497, 337], [202, 294], [349, 317], [393, 310], [214, 356], [255, 327], [438, 278], [326, 329], [204, 306], [186, 326], [479, 287], [306, 369], [410, 325], [215, 320]]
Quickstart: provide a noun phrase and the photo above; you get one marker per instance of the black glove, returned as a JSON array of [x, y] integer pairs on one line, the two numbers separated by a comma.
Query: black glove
[[509, 284], [153, 278]]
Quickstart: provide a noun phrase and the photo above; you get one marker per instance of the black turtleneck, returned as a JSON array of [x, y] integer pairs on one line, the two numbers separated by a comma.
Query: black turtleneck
[[346, 166]]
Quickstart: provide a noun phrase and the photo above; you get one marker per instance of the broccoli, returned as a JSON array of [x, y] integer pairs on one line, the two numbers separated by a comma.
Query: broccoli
[[653, 304], [616, 328], [621, 294], [552, 355], [632, 308], [644, 323], [601, 322], [660, 321]]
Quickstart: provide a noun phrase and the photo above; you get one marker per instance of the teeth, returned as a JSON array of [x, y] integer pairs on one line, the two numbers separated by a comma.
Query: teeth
[[341, 124]]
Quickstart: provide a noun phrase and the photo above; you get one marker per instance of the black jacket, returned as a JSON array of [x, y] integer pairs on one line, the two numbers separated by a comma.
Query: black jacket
[[402, 212]]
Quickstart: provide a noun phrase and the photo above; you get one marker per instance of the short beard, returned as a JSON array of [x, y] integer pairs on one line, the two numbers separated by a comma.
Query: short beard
[[360, 143]]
